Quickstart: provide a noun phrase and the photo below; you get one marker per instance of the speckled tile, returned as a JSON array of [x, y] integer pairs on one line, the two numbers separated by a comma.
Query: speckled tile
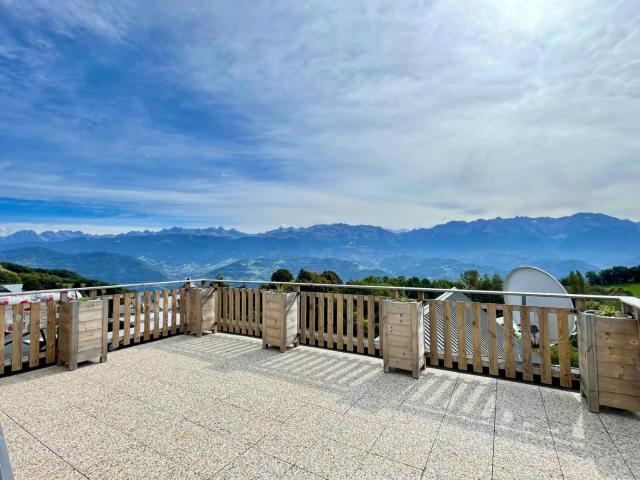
[[374, 467], [254, 464]]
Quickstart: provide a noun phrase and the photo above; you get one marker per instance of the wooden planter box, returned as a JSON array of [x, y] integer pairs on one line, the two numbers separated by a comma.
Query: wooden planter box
[[609, 361], [201, 310], [280, 317], [403, 336], [83, 332]]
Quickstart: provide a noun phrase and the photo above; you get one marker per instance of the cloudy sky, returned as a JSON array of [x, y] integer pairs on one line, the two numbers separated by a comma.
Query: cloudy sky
[[254, 114]]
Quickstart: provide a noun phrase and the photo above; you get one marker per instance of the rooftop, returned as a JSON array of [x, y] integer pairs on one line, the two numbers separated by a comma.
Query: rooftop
[[220, 406]]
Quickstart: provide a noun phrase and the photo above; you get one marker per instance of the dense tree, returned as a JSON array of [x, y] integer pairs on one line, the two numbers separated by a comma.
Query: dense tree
[[282, 275]]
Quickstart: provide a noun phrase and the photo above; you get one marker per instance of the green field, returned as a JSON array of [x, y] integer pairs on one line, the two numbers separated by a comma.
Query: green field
[[631, 287]]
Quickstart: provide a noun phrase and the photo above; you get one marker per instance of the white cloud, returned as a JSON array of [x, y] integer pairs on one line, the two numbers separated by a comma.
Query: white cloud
[[401, 114]]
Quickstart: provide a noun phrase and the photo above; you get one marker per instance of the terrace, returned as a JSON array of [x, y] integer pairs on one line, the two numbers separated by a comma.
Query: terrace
[[221, 406]]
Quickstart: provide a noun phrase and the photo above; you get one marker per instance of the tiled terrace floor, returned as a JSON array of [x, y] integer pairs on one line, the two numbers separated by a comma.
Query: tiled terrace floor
[[221, 407]]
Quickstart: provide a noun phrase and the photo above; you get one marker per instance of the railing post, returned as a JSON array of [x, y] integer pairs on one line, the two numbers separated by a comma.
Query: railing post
[[588, 360]]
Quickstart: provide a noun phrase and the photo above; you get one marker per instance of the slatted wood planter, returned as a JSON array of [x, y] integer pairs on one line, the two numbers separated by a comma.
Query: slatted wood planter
[[202, 309], [280, 317], [609, 361], [83, 332], [403, 337]]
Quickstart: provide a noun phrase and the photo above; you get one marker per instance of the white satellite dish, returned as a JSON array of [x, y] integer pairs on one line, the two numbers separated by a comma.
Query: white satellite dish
[[533, 279]]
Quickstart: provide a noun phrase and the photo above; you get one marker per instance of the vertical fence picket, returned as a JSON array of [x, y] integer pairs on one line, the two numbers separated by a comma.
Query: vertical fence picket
[[462, 335], [126, 339], [147, 314], [50, 348], [545, 351], [340, 321], [136, 318], [371, 327], [493, 345], [448, 360], [311, 299], [258, 305], [174, 311], [16, 338], [303, 318], [165, 312], [250, 311], [320, 319], [477, 338], [509, 361], [330, 322], [525, 335], [34, 335], [360, 313], [237, 328], [349, 322], [183, 310], [115, 321], [564, 356], [156, 314], [243, 310], [433, 332]]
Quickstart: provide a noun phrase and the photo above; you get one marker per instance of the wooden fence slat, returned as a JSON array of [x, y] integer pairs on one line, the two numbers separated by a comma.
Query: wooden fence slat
[[525, 336], [448, 360], [250, 312], [371, 325], [16, 338], [462, 335], [382, 313], [115, 322], [231, 301], [349, 322], [237, 324], [34, 335], [564, 355], [303, 318], [136, 318], [360, 313], [147, 315], [477, 338], [340, 321], [545, 351], [493, 344], [243, 310], [320, 319], [174, 311], [3, 313], [156, 314], [509, 361], [225, 309], [50, 348], [433, 332], [165, 312], [127, 319], [183, 310], [258, 303], [312, 318], [330, 322]]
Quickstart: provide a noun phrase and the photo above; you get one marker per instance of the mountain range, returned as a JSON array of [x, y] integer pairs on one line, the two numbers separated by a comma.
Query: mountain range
[[584, 241]]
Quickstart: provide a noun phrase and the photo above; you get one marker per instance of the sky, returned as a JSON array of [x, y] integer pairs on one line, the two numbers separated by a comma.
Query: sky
[[119, 115]]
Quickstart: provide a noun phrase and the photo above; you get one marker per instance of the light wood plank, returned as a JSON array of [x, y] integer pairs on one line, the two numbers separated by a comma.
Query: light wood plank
[[243, 310], [493, 343], [477, 338], [115, 321], [510, 360], [174, 311], [564, 354], [258, 303], [3, 313], [448, 358], [371, 325], [34, 335], [618, 370], [303, 318], [147, 315], [156, 314], [433, 332], [525, 332], [330, 320], [311, 299], [349, 298], [16, 334], [126, 339], [462, 336], [545, 351], [137, 299], [166, 312], [50, 348], [237, 317], [340, 321], [183, 310], [320, 319], [250, 315], [360, 313]]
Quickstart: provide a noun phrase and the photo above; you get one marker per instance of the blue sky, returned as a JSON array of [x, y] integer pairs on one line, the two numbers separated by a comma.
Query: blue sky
[[129, 115]]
